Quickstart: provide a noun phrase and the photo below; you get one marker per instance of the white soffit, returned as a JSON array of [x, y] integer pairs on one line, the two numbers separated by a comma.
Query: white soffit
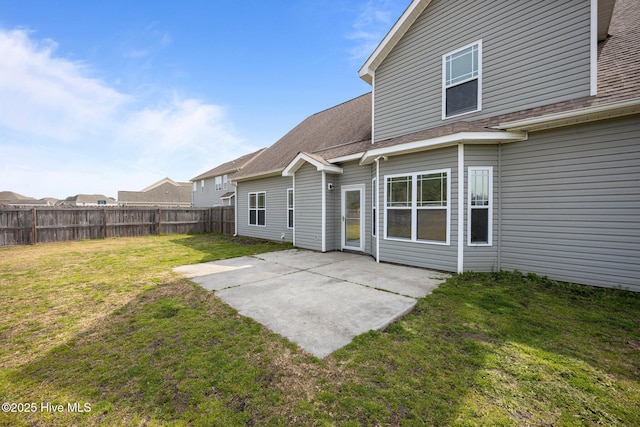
[[582, 115], [443, 141]]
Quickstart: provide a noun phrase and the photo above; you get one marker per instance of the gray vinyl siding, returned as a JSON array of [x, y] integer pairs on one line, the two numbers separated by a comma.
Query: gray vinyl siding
[[308, 212], [276, 208], [439, 257], [209, 197], [534, 53], [481, 258], [571, 203], [333, 213], [354, 174]]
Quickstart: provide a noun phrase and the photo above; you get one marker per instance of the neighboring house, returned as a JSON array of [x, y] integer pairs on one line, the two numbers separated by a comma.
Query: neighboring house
[[215, 187], [83, 200], [9, 198], [499, 141], [164, 193]]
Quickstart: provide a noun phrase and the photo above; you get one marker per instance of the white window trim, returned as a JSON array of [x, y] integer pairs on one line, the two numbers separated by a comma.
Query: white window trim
[[444, 80], [256, 208], [225, 179], [469, 207], [195, 186], [202, 185], [218, 183], [292, 208], [414, 208]]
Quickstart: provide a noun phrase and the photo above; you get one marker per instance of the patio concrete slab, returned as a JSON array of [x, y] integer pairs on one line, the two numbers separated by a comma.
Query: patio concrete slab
[[319, 313], [320, 301], [409, 281], [232, 272]]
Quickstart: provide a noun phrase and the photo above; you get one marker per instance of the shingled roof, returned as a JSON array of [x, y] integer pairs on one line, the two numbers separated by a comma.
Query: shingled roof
[[229, 167], [349, 122]]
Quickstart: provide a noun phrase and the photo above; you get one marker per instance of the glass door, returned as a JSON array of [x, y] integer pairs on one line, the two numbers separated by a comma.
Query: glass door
[[352, 217]]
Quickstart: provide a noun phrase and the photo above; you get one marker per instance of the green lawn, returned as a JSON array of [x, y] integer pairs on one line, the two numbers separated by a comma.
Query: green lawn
[[108, 324]]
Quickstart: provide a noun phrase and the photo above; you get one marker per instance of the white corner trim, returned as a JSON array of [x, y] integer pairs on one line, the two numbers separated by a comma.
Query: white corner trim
[[324, 211], [293, 233], [461, 228], [443, 141]]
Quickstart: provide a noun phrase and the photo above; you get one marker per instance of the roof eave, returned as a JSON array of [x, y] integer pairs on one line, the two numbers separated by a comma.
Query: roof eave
[[259, 175], [573, 117], [441, 142]]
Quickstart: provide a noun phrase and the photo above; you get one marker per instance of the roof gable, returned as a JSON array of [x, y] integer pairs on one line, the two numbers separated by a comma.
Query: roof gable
[[392, 38], [415, 9]]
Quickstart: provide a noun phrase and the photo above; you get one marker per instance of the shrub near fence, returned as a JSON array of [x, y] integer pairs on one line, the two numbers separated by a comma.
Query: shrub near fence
[[45, 225]]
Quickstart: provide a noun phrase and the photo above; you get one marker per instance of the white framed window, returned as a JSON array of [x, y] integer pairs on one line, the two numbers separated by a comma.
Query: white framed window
[[218, 183], [258, 208], [202, 185], [417, 207], [374, 192], [480, 206], [225, 179], [290, 209], [195, 186], [462, 80]]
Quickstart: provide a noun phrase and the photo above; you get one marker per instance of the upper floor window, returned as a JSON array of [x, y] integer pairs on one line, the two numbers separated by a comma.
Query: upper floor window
[[225, 179], [195, 186], [462, 80], [218, 183], [202, 185]]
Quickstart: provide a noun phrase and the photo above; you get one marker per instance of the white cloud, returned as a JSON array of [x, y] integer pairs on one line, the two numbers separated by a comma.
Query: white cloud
[[63, 131], [372, 24]]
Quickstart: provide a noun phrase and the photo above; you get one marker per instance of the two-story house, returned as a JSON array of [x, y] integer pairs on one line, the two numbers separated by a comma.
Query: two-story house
[[503, 135], [215, 187]]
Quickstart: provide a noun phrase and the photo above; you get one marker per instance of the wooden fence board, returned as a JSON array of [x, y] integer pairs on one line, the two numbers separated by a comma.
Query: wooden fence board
[[50, 224]]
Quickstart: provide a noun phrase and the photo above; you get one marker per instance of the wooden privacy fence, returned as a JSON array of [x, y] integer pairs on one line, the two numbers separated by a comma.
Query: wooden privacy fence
[[48, 224]]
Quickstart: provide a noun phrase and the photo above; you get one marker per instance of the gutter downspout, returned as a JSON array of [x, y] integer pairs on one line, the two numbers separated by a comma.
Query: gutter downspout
[[377, 160], [499, 240], [294, 210], [460, 208], [324, 211], [235, 210]]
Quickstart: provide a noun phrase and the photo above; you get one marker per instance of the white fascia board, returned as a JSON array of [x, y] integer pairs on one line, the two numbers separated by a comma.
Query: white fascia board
[[301, 158], [582, 115], [392, 38], [443, 141], [348, 158], [259, 175]]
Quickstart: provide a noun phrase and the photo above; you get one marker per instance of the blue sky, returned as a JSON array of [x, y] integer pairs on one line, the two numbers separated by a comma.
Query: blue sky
[[101, 96]]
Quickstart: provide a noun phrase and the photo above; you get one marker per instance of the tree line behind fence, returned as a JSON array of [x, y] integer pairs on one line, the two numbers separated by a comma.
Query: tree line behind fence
[[45, 225]]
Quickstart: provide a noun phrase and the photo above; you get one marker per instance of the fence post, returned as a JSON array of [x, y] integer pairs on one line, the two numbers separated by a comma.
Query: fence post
[[159, 220], [34, 226], [104, 223]]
